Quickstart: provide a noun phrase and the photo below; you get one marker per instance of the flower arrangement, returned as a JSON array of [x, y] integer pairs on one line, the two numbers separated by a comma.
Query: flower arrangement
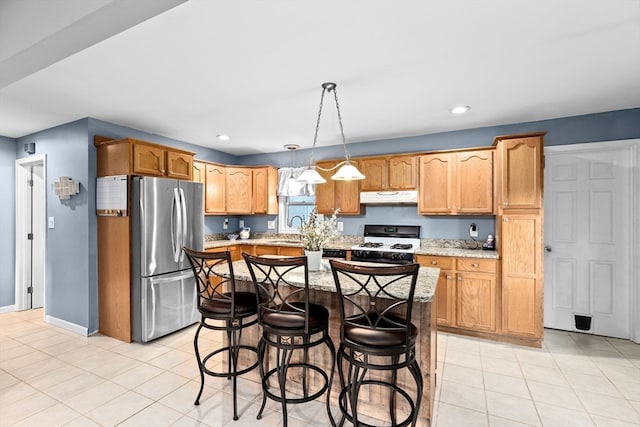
[[316, 233]]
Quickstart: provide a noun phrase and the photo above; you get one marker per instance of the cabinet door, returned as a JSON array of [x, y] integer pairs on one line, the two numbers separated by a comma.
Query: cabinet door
[[403, 173], [214, 200], [199, 172], [521, 252], [325, 193], [239, 182], [266, 250], [290, 251], [375, 172], [148, 160], [521, 173], [179, 165], [347, 195], [337, 194], [265, 182], [445, 298], [474, 171], [199, 175], [476, 301], [435, 189]]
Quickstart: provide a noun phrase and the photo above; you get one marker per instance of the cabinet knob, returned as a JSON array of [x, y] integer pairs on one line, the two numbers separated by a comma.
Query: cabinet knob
[[460, 278], [434, 262], [505, 219], [449, 277], [475, 265]]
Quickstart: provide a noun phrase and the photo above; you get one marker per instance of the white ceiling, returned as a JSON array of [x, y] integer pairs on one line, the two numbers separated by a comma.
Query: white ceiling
[[253, 68]]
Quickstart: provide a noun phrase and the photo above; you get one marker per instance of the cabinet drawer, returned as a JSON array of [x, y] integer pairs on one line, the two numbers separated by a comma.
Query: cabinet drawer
[[479, 265], [443, 263]]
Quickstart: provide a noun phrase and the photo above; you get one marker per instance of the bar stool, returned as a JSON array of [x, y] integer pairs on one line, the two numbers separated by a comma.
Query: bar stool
[[376, 334], [290, 323], [218, 300]]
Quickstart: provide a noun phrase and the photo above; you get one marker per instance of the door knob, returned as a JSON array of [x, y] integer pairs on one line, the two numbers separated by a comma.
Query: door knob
[[547, 249]]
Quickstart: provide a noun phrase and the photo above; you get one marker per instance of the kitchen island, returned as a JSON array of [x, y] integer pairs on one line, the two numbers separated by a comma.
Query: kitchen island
[[323, 291]]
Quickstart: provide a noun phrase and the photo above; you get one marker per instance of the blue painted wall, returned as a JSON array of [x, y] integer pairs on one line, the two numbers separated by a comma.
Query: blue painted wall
[[71, 247], [7, 221]]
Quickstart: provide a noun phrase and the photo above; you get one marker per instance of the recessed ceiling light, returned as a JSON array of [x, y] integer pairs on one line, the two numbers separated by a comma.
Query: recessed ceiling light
[[460, 109], [223, 137]]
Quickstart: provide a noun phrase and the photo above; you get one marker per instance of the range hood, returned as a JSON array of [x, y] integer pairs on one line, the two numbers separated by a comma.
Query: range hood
[[389, 197]]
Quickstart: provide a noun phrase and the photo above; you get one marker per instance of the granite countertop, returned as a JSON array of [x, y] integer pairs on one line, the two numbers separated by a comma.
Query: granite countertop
[[323, 280], [428, 247]]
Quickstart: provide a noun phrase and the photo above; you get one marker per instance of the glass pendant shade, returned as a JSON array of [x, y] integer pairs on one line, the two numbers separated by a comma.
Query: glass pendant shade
[[311, 176], [348, 172]]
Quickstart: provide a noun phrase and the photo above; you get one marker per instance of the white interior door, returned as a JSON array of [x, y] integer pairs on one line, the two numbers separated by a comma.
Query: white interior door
[[588, 237], [30, 232]]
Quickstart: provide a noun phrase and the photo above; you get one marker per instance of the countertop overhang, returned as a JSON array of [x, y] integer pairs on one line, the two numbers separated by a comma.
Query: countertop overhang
[[323, 280]]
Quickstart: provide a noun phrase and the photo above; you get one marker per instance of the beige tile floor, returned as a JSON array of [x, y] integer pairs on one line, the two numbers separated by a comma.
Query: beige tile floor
[[51, 377]]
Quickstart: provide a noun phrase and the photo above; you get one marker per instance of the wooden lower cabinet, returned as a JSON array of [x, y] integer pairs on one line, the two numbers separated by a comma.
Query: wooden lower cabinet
[[278, 250], [466, 295], [476, 301], [521, 248], [236, 251]]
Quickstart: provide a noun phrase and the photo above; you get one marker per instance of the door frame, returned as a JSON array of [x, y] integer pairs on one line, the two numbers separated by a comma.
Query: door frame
[[633, 145], [22, 248]]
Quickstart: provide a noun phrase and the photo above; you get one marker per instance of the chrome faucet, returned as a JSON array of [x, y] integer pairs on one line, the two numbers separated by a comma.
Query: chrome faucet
[[294, 217]]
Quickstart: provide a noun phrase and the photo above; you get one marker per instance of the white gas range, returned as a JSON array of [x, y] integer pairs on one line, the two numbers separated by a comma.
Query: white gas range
[[391, 244]]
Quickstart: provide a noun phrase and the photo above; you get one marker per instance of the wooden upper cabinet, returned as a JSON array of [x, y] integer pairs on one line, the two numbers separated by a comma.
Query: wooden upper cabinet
[[199, 171], [148, 159], [156, 160], [332, 195], [403, 173], [389, 173], [456, 183], [325, 193], [214, 199], [265, 186], [238, 189], [474, 190], [435, 184], [179, 165], [135, 157], [520, 171]]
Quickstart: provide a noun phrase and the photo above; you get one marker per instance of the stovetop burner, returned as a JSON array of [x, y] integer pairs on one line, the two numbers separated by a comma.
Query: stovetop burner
[[402, 246]]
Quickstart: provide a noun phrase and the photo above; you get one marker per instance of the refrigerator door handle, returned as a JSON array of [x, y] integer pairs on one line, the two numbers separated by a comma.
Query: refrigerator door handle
[[176, 238], [183, 204]]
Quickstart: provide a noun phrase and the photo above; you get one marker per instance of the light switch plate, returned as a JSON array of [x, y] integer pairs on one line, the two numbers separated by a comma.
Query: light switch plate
[[52, 222], [340, 226]]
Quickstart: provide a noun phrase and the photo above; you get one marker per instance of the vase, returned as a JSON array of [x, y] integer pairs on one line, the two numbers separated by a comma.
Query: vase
[[314, 259]]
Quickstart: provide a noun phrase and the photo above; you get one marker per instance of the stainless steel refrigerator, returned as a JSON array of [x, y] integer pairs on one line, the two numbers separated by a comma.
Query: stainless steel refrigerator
[[167, 214]]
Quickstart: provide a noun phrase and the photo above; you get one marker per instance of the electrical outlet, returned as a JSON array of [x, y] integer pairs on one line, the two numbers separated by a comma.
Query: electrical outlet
[[225, 224], [473, 230], [340, 226], [271, 225]]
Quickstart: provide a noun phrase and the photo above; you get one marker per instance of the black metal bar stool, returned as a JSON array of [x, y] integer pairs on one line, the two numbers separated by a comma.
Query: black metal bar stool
[[376, 334], [218, 300], [290, 324]]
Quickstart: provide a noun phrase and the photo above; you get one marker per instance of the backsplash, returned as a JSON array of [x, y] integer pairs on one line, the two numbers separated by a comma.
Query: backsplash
[[348, 241]]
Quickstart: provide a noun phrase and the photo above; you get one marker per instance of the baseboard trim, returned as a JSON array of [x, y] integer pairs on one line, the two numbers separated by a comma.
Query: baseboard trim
[[71, 327], [7, 309]]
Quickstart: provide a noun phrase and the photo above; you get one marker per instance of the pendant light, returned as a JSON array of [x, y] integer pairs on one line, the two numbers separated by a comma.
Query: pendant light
[[347, 171]]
